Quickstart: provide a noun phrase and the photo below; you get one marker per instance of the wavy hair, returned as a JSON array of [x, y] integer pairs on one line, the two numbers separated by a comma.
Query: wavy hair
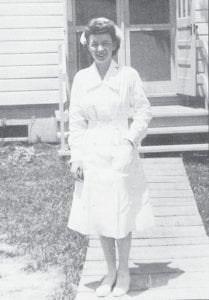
[[99, 26]]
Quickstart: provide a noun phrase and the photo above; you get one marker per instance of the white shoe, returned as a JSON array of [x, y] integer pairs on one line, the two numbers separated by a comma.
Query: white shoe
[[103, 290], [119, 291]]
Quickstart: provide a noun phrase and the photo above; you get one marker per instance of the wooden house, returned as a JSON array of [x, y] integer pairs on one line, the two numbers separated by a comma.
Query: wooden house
[[165, 40], [30, 34]]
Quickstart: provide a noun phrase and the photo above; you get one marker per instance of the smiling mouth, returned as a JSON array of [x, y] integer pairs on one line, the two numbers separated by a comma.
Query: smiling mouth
[[101, 54]]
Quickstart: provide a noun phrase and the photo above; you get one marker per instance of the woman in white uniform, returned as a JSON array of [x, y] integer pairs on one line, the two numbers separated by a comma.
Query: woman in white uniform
[[111, 196]]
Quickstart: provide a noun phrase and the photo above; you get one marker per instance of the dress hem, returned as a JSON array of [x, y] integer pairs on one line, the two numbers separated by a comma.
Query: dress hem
[[119, 236]]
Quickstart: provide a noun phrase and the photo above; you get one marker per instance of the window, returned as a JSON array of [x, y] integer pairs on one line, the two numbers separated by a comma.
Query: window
[[88, 9], [150, 54], [148, 11]]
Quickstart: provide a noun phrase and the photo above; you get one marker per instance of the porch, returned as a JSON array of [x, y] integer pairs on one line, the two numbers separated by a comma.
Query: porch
[[159, 43]]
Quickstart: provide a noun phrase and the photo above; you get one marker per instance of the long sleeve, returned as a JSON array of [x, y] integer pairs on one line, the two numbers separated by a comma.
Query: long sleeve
[[77, 121], [141, 110]]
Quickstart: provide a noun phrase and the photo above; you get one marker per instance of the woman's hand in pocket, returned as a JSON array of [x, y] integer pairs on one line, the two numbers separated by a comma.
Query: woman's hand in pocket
[[77, 170]]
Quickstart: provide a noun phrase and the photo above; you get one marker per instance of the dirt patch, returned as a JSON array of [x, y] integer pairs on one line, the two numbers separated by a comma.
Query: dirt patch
[[18, 282]]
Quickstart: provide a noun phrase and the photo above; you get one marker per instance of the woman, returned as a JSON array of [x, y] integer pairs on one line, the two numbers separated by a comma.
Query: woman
[[111, 196]]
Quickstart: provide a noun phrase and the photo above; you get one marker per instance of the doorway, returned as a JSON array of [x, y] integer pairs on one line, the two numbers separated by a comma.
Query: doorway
[[148, 29]]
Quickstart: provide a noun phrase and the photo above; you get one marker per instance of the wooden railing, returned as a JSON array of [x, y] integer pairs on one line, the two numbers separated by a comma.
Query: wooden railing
[[62, 113], [202, 78]]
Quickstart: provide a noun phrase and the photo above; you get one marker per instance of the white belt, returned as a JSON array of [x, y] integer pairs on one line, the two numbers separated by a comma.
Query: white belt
[[108, 123]]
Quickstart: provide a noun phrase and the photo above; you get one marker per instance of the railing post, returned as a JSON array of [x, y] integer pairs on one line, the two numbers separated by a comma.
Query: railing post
[[62, 94]]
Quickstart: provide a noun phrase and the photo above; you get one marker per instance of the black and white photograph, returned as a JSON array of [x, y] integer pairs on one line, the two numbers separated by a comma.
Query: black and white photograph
[[104, 150]]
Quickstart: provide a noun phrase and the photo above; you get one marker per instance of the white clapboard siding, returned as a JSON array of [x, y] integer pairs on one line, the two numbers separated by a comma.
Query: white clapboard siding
[[28, 72], [38, 97], [40, 84], [30, 34], [27, 34], [30, 9], [29, 46], [31, 21], [31, 1], [28, 59]]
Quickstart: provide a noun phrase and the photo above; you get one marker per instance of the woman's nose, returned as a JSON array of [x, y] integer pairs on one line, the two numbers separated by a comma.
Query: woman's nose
[[100, 48]]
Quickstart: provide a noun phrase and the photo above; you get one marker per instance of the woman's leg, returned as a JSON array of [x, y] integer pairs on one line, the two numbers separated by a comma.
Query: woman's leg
[[108, 246], [123, 276]]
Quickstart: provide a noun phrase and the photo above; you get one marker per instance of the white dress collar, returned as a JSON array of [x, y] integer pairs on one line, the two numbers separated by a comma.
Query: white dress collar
[[110, 78]]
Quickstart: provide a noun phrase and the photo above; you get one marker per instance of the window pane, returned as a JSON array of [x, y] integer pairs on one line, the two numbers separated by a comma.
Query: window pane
[[88, 9], [150, 54], [148, 11]]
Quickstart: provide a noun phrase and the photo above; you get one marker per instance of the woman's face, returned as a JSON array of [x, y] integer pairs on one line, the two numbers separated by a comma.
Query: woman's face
[[101, 47]]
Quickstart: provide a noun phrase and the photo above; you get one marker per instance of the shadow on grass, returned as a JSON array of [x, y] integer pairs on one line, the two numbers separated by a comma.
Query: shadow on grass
[[146, 276]]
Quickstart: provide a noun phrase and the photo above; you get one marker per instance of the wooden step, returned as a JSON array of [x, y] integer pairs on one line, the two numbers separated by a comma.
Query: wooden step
[[180, 129], [174, 148], [178, 111], [165, 130], [165, 99], [178, 115], [160, 112], [168, 115], [170, 119], [162, 149]]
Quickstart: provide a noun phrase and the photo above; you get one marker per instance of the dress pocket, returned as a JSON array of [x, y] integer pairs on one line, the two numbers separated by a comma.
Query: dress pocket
[[123, 157]]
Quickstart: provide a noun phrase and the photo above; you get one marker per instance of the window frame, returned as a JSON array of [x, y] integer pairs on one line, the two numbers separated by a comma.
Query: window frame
[[153, 87], [122, 14]]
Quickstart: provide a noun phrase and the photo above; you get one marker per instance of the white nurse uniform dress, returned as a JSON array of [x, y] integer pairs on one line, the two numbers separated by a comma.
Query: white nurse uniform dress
[[113, 199]]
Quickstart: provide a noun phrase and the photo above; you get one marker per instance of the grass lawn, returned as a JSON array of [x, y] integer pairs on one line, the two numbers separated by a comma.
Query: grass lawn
[[35, 198], [197, 167]]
